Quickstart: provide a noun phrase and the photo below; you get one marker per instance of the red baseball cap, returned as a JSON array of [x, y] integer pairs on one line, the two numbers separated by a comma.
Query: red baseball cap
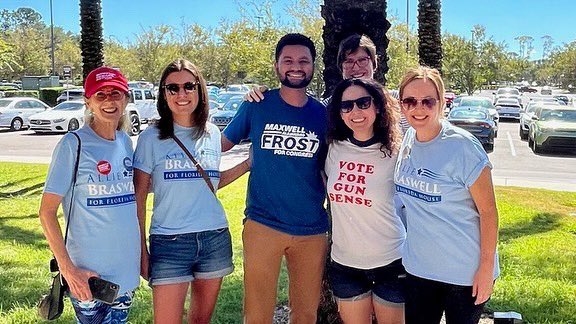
[[102, 77]]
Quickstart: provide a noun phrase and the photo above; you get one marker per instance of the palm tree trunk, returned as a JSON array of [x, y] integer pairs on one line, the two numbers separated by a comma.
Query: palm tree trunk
[[91, 43], [345, 17], [429, 33]]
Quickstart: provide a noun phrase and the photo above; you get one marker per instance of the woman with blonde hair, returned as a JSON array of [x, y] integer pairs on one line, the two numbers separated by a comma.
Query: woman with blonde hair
[[96, 190], [443, 177]]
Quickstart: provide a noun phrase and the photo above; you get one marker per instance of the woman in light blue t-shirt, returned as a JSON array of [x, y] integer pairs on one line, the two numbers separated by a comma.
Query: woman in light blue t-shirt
[[443, 177], [190, 245], [99, 208]]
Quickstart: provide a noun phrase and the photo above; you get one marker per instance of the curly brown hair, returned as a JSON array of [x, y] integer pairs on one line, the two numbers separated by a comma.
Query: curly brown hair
[[386, 128]]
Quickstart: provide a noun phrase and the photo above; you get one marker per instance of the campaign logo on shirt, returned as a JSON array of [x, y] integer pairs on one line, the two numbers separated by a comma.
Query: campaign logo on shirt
[[107, 188], [418, 183], [289, 140], [104, 167], [350, 185], [178, 166]]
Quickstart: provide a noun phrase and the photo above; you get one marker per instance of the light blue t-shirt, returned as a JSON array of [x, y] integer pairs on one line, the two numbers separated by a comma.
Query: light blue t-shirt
[[183, 202], [104, 235], [285, 188], [443, 225]]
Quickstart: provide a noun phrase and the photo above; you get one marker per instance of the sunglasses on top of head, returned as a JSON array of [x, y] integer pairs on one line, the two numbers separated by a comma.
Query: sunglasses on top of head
[[410, 103], [347, 106], [174, 88], [113, 95]]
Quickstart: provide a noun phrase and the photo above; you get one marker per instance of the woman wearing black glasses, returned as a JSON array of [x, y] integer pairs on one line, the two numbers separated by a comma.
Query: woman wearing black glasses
[[443, 177], [190, 245], [97, 195], [366, 271]]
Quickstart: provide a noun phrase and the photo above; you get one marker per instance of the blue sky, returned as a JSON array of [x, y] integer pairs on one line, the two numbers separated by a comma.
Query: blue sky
[[504, 19]]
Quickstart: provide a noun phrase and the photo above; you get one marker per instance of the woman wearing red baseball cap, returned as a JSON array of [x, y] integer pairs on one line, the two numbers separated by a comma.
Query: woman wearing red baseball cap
[[91, 175]]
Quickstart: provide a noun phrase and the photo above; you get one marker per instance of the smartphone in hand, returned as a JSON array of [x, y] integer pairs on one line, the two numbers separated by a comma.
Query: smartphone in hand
[[103, 290]]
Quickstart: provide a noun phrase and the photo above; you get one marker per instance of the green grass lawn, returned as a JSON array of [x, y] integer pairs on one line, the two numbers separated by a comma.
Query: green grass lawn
[[537, 253]]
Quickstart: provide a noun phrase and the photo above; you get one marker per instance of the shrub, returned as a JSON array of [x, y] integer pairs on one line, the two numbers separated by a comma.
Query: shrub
[[49, 95], [21, 93]]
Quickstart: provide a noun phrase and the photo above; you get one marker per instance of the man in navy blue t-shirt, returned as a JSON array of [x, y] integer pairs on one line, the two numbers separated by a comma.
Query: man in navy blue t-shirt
[[284, 208]]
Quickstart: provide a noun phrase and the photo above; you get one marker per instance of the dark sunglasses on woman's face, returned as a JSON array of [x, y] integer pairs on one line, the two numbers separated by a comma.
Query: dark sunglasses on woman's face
[[174, 88], [362, 103], [410, 103]]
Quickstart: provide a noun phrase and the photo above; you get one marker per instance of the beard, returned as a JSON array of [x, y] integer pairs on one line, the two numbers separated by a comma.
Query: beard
[[294, 85]]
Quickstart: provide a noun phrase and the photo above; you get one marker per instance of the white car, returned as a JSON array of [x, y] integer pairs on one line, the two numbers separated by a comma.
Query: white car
[[65, 117], [507, 93], [16, 111], [70, 94]]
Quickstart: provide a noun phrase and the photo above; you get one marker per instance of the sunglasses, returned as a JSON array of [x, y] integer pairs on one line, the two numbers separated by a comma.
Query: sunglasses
[[411, 103], [174, 88], [362, 62], [362, 103], [112, 95]]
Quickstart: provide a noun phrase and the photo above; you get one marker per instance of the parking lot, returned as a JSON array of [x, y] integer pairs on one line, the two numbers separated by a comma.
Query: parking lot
[[514, 162]]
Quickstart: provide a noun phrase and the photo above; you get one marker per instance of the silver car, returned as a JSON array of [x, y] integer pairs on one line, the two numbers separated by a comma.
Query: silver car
[[528, 111], [508, 108], [16, 111]]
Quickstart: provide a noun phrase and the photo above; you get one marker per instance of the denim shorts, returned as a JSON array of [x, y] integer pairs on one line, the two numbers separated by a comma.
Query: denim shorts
[[184, 257], [385, 284], [98, 312]]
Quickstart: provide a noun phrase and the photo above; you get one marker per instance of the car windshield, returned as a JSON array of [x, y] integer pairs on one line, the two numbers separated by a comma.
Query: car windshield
[[561, 115], [233, 104], [5, 103], [468, 114], [508, 91], [476, 103], [69, 106], [73, 93]]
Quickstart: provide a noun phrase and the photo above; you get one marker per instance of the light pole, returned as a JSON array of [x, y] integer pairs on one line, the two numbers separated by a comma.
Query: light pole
[[407, 25], [52, 39]]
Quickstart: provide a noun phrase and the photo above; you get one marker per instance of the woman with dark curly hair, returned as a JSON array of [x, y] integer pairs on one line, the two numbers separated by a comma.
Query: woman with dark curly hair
[[366, 270]]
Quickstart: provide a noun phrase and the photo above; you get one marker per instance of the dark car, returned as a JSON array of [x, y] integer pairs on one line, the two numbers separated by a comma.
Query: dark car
[[477, 121], [223, 115], [527, 89], [562, 98]]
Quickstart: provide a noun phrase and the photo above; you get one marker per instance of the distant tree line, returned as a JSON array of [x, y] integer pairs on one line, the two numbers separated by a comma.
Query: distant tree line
[[242, 50]]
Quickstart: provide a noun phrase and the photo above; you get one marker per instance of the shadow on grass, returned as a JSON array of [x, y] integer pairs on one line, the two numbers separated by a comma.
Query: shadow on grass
[[21, 285], [33, 189], [18, 235], [16, 182], [541, 223]]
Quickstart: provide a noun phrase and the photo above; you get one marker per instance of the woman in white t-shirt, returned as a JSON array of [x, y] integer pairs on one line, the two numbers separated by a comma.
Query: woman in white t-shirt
[[366, 272]]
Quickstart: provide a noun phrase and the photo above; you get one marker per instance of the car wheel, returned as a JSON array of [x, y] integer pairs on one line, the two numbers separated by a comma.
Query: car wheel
[[16, 124], [135, 122], [73, 125], [535, 147], [523, 135]]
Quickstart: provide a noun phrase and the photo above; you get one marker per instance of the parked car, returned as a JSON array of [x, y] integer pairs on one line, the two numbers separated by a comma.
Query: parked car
[[15, 112], [507, 93], [562, 98], [528, 111], [70, 94], [476, 101], [224, 115], [145, 102], [10, 86], [449, 97], [236, 88], [527, 89], [508, 108], [553, 127], [65, 117], [546, 91], [477, 121], [223, 97]]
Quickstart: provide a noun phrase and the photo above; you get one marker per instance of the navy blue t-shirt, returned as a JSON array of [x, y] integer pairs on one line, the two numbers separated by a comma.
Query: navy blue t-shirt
[[285, 188]]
